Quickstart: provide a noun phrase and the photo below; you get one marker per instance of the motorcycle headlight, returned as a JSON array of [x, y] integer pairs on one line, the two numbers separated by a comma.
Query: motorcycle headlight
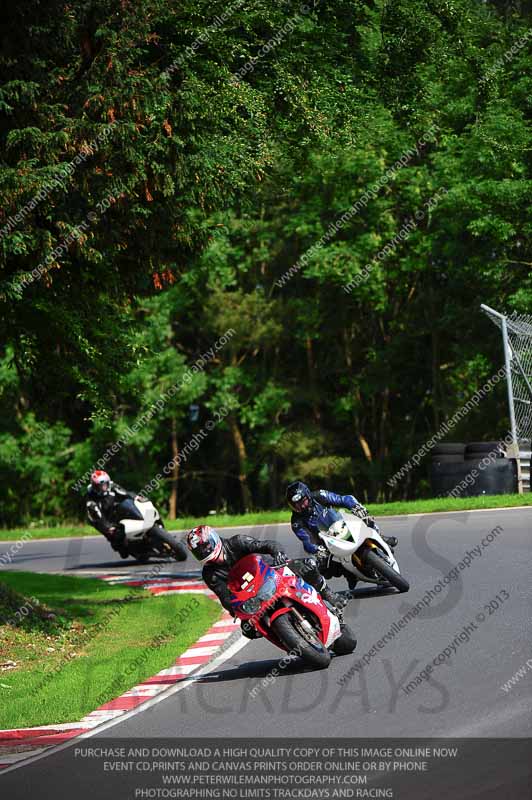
[[252, 605], [339, 530]]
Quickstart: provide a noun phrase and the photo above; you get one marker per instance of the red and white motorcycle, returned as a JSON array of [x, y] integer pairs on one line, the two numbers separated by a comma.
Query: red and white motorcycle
[[287, 611]]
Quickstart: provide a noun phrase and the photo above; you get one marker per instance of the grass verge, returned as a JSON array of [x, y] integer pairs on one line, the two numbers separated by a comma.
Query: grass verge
[[82, 642], [432, 505]]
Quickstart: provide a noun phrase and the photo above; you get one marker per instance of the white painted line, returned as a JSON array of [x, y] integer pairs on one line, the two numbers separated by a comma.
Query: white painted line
[[381, 516], [61, 726], [180, 591], [145, 691], [200, 651], [243, 527], [89, 724], [212, 637], [179, 670], [103, 713], [50, 539], [178, 687], [285, 524], [447, 513], [12, 758], [190, 583]]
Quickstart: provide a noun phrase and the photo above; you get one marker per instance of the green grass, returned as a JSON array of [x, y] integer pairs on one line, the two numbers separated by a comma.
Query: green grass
[[436, 504], [46, 532], [431, 505], [86, 643]]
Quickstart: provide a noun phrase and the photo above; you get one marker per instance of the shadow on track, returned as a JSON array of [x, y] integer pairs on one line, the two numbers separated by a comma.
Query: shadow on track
[[135, 569], [258, 670], [21, 559], [121, 565], [367, 592]]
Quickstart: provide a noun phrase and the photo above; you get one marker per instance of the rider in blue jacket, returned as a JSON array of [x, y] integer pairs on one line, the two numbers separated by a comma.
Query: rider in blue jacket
[[306, 509]]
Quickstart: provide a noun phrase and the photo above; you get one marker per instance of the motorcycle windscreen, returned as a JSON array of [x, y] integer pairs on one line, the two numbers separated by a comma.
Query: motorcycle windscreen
[[251, 582], [327, 518], [128, 510]]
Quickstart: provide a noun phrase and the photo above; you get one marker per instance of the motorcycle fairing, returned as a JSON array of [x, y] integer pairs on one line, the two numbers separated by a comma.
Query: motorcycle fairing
[[137, 517], [251, 572]]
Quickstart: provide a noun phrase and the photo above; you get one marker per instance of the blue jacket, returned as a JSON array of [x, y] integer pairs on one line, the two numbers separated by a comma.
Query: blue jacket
[[305, 523]]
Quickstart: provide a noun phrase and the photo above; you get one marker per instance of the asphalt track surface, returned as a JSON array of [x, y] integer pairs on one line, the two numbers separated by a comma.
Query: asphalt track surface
[[463, 697]]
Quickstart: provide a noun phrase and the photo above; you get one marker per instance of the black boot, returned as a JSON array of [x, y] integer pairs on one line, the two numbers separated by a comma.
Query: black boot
[[391, 541], [249, 630], [338, 602], [117, 540]]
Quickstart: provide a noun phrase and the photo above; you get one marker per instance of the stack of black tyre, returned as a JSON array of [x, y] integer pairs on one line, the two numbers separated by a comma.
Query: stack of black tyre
[[470, 470]]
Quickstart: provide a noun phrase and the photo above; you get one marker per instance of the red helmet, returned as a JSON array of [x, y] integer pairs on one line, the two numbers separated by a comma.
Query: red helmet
[[205, 544], [100, 481]]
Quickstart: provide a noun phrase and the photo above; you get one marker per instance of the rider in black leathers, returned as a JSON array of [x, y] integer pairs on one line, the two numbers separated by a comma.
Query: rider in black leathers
[[219, 555], [102, 498]]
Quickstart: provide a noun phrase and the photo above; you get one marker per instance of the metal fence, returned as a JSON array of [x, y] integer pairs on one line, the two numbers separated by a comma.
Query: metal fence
[[516, 332]]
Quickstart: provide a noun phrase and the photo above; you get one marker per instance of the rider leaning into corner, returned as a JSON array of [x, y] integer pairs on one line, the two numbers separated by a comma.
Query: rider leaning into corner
[[218, 555], [103, 497], [307, 508]]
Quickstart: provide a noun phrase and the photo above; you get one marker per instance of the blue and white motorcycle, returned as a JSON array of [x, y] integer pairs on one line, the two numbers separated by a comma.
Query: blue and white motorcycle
[[360, 550]]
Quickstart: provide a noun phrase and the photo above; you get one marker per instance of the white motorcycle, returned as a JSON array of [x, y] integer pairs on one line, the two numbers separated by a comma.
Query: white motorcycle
[[145, 534], [360, 550]]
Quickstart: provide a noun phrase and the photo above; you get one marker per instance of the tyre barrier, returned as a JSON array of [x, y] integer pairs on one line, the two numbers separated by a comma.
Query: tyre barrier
[[472, 470], [479, 450]]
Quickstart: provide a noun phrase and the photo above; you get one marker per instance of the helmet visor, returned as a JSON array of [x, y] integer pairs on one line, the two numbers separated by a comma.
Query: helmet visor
[[203, 547], [300, 501]]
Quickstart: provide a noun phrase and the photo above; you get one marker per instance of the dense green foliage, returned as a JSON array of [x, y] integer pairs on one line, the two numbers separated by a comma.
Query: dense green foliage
[[209, 181]]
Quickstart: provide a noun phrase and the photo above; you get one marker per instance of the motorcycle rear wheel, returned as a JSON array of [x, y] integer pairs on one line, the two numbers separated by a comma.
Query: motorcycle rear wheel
[[304, 644], [179, 551]]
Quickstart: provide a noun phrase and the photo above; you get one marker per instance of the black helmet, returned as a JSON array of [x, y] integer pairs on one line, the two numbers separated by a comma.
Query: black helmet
[[298, 496]]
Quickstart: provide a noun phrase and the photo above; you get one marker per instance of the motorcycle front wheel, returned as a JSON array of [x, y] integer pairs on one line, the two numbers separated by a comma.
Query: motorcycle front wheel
[[380, 566], [301, 642]]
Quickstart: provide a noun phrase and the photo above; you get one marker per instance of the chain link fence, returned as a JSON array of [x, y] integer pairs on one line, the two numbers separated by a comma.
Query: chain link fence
[[516, 332]]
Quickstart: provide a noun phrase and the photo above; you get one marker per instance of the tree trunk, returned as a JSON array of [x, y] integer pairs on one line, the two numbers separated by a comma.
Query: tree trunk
[[383, 445], [273, 485], [242, 456], [347, 338], [172, 511], [365, 446], [435, 356], [312, 379]]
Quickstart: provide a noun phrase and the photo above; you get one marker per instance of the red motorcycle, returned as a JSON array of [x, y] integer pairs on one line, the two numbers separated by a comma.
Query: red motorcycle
[[287, 611]]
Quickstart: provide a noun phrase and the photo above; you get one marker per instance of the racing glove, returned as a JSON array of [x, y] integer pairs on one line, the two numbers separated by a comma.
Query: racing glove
[[280, 559], [322, 556], [362, 512]]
